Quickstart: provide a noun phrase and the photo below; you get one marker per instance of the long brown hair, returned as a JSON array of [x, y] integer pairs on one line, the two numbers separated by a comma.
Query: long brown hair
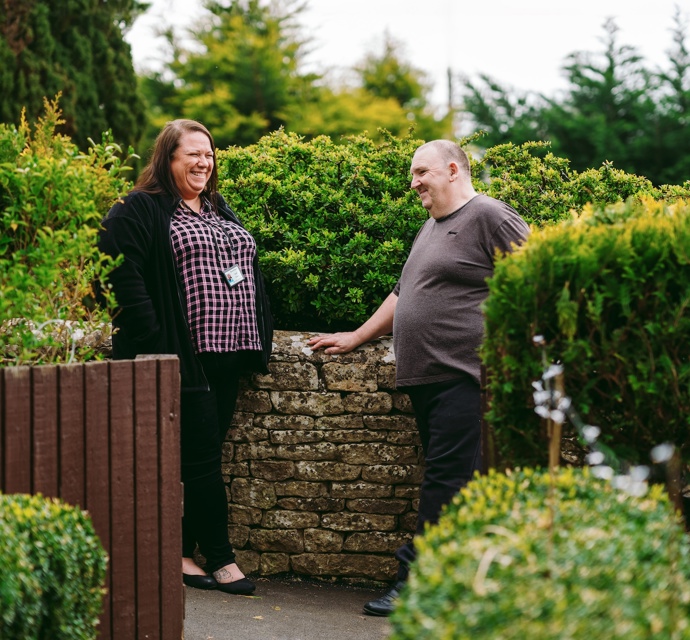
[[157, 176]]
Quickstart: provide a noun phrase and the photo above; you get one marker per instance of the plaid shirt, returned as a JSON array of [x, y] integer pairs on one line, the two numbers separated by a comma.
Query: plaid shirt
[[205, 245]]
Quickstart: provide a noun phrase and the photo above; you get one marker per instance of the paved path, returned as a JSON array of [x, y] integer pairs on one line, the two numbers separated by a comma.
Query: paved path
[[283, 609]]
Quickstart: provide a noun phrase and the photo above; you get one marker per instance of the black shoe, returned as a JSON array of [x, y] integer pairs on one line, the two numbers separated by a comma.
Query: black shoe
[[386, 603], [241, 587], [199, 582]]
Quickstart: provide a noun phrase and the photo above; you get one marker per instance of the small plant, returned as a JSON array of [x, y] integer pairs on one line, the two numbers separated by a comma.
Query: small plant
[[548, 556], [53, 570]]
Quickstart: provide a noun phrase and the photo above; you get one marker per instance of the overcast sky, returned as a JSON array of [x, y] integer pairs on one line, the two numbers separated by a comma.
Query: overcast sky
[[520, 43]]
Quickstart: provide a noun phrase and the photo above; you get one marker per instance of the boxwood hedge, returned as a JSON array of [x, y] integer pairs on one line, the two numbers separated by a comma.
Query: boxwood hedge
[[53, 570], [530, 555]]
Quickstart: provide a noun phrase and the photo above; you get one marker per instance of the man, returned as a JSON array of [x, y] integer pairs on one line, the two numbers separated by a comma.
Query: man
[[435, 316]]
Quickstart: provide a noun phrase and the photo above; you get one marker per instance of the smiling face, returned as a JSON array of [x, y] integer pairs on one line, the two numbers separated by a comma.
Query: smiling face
[[192, 164], [432, 179]]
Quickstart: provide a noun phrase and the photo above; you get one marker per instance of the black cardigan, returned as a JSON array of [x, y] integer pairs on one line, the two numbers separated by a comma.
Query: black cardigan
[[151, 315]]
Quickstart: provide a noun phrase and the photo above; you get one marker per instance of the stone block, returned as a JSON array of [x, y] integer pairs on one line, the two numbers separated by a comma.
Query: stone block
[[272, 470], [401, 401], [239, 514], [302, 376], [316, 451], [307, 402], [360, 490], [283, 540], [377, 453], [289, 520], [249, 561], [411, 491], [358, 522], [345, 564], [390, 506], [339, 422], [408, 521], [253, 493], [247, 434], [397, 422], [321, 541], [301, 489], [254, 401], [239, 535], [324, 471], [375, 542], [342, 436], [253, 451], [311, 504], [393, 473], [338, 376], [230, 471], [385, 376], [284, 423], [272, 563], [367, 403], [295, 437]]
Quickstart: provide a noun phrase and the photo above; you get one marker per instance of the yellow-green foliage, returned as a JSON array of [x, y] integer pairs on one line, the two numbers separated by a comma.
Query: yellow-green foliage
[[525, 555], [53, 570], [610, 292], [52, 199]]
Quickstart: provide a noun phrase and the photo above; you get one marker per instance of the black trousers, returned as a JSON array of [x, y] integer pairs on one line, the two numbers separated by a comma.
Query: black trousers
[[205, 420], [449, 422]]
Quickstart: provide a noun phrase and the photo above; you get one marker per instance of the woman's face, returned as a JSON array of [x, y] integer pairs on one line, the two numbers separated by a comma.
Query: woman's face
[[192, 164]]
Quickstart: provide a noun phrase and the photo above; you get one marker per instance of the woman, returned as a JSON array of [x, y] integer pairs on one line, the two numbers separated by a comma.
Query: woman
[[190, 285]]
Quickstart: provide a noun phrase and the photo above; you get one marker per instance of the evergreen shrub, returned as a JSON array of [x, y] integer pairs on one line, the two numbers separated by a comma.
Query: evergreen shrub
[[609, 290], [52, 199], [527, 555], [53, 570], [334, 223]]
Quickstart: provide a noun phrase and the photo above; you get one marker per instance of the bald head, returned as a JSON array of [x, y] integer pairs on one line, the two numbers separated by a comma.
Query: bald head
[[449, 151]]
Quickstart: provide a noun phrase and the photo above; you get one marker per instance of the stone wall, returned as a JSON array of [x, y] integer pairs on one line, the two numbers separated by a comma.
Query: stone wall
[[323, 464]]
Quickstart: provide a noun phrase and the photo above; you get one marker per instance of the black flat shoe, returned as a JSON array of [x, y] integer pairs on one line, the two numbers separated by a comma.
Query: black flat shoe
[[199, 582], [242, 587], [384, 605]]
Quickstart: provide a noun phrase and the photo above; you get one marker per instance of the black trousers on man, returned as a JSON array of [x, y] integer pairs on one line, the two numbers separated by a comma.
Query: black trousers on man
[[449, 422]]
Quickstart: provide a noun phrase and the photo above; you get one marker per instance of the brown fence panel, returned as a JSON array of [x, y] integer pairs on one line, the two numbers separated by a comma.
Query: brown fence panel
[[71, 408], [16, 417], [97, 450], [105, 436], [44, 409], [170, 491], [146, 490]]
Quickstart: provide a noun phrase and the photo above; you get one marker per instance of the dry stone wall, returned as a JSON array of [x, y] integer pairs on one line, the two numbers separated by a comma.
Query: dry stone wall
[[322, 464]]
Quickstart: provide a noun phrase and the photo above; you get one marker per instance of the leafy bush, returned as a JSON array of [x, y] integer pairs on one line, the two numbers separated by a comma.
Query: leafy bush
[[525, 555], [335, 222], [53, 570], [52, 199], [609, 291]]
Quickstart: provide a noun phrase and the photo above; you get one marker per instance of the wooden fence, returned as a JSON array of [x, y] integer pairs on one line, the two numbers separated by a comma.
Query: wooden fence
[[105, 436]]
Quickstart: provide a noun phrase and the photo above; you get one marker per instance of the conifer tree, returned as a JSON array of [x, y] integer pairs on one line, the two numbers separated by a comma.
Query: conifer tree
[[75, 48]]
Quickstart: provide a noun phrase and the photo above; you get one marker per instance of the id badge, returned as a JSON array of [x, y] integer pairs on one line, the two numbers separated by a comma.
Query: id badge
[[233, 275]]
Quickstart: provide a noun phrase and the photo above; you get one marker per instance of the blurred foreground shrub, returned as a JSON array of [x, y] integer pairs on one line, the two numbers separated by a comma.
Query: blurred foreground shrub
[[53, 570], [522, 556]]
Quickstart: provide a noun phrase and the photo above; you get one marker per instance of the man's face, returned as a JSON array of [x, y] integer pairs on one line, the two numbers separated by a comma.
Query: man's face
[[431, 179]]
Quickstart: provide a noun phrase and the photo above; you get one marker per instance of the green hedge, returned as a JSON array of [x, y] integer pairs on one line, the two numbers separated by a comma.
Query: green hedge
[[524, 556], [335, 222], [53, 570], [610, 293]]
